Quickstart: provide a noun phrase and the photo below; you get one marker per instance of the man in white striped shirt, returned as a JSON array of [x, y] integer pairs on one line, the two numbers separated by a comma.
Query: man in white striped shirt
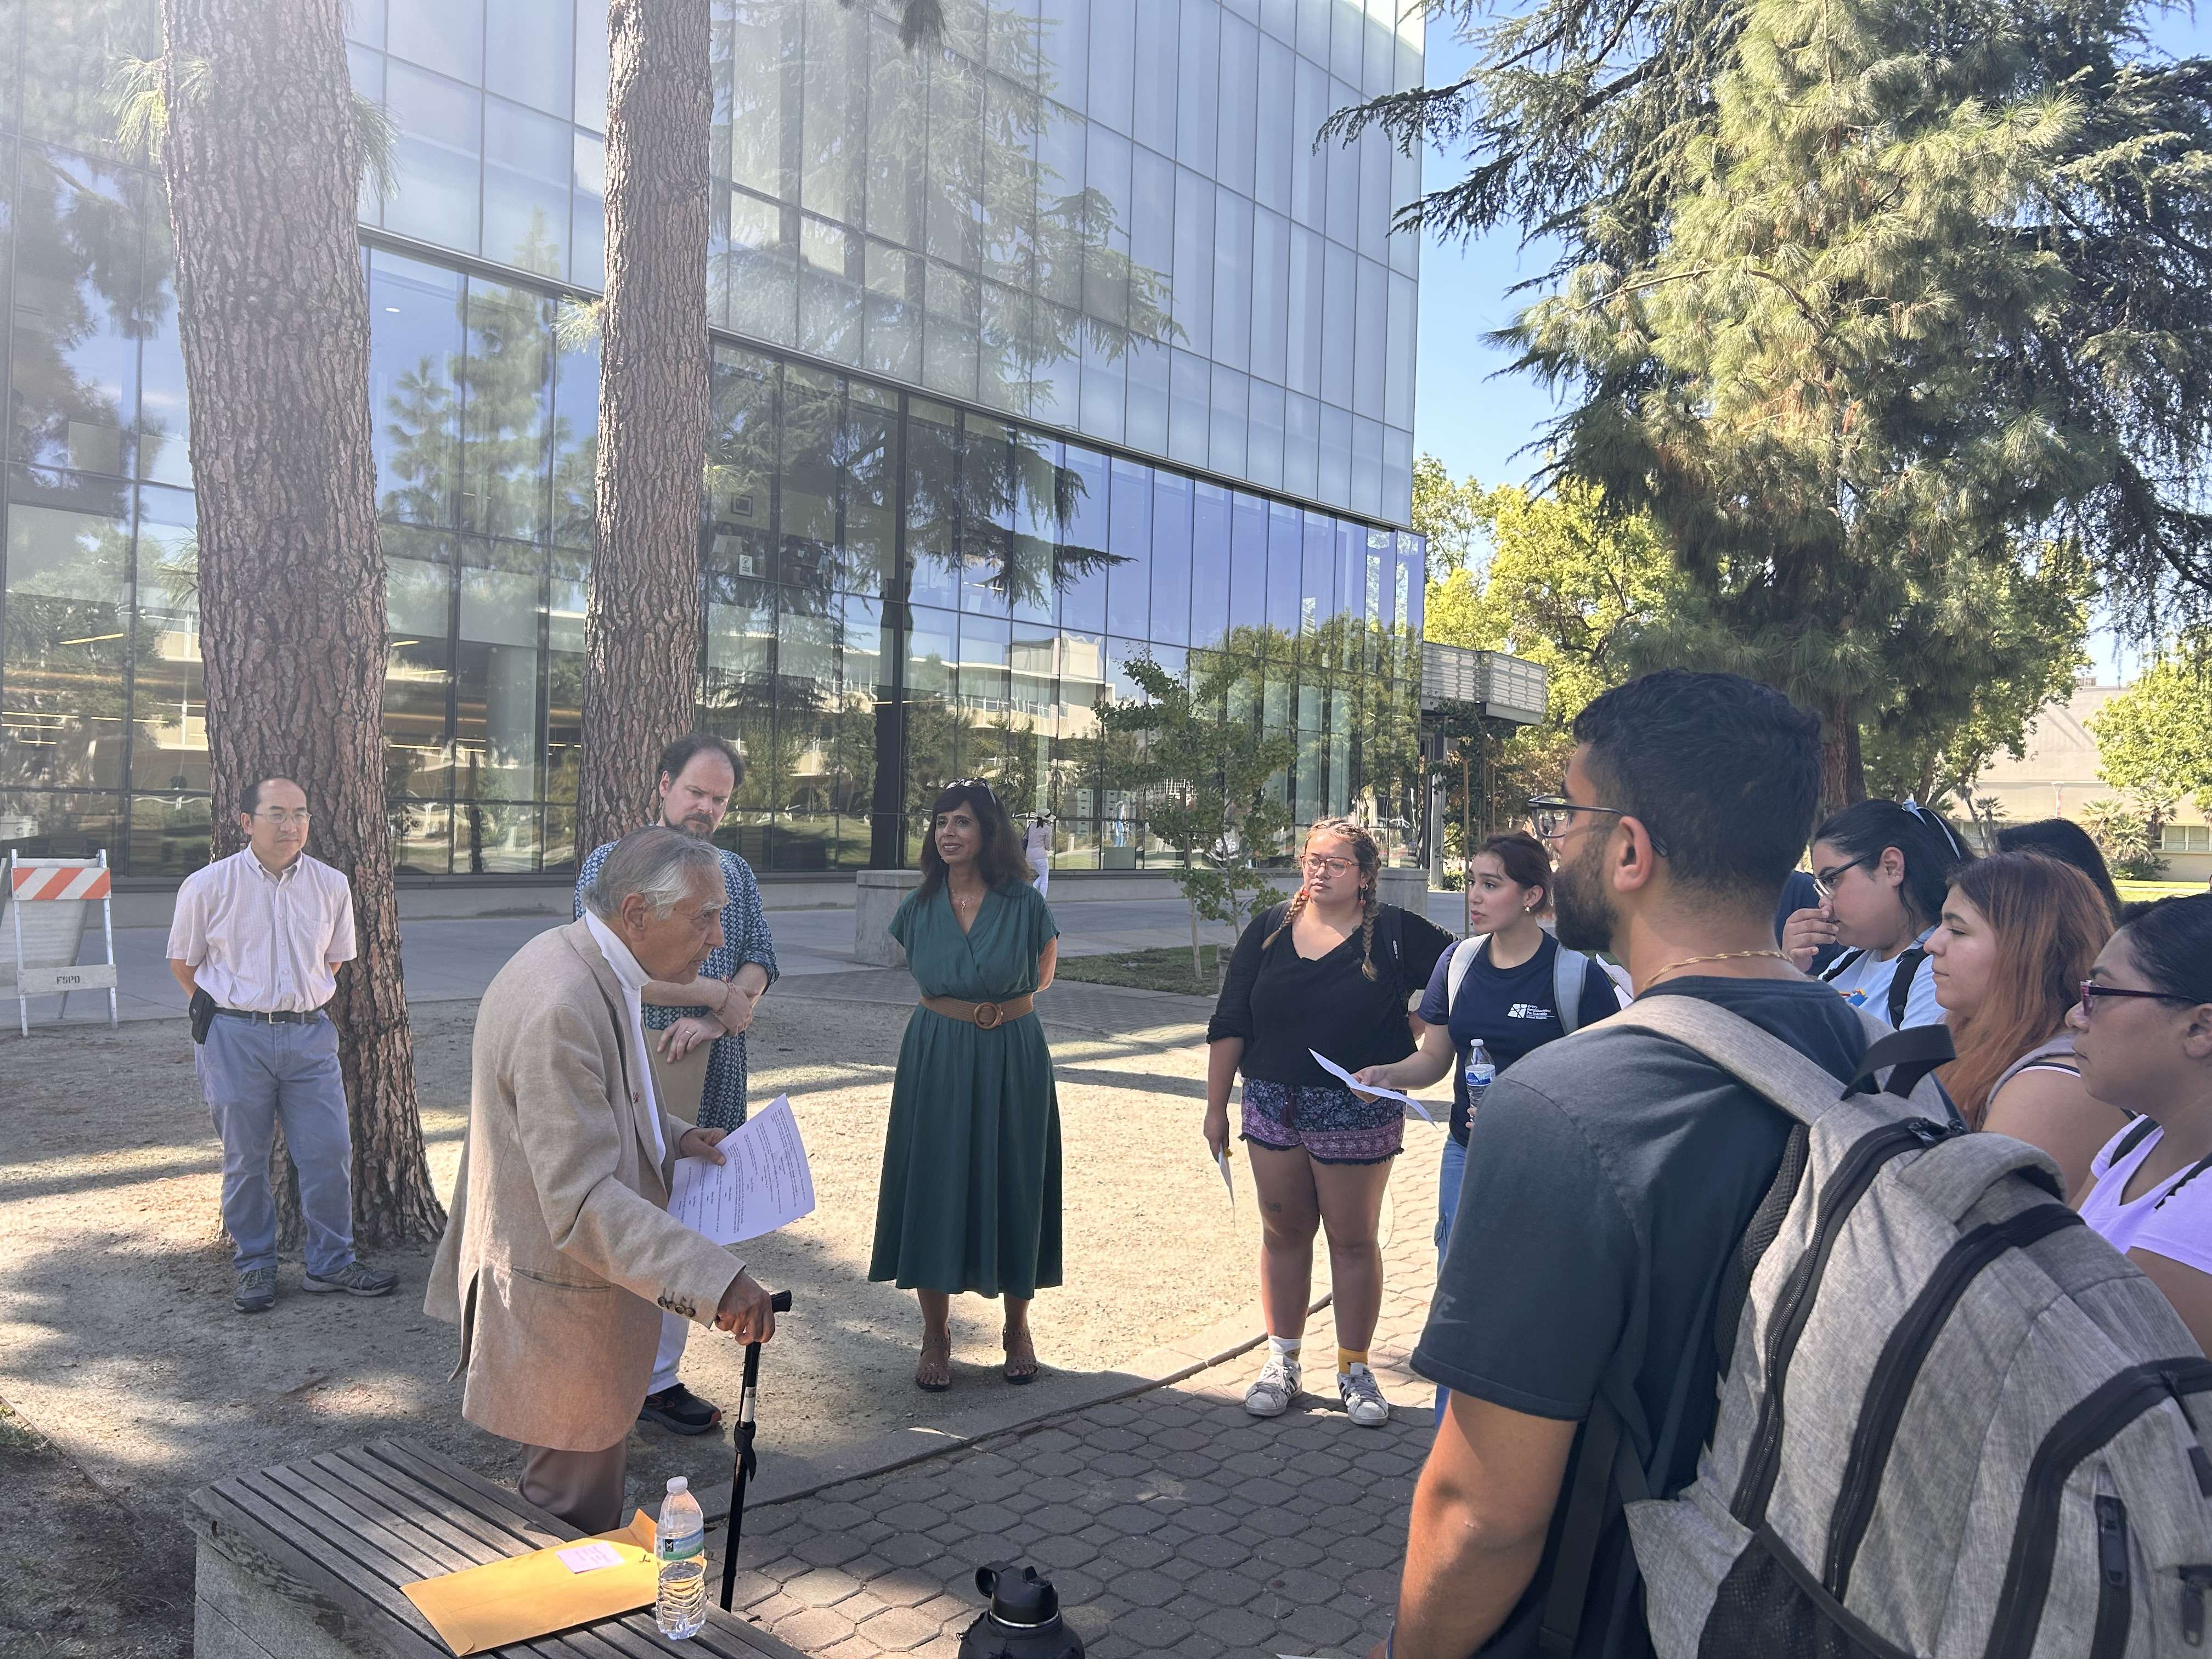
[[261, 933]]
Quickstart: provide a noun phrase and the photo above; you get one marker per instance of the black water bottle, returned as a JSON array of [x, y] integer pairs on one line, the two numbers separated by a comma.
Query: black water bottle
[[1023, 1622]]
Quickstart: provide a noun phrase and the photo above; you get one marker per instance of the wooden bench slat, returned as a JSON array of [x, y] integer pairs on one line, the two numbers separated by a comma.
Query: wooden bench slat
[[399, 1561], [501, 1528], [489, 1540], [348, 1530], [527, 1518], [324, 1575]]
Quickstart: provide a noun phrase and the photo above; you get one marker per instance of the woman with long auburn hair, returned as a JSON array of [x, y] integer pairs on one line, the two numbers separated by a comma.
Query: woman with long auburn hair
[[1332, 972], [2020, 933]]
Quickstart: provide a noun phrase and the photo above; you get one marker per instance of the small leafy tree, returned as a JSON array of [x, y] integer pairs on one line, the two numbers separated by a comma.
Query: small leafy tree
[[1204, 780], [2156, 737], [2126, 829]]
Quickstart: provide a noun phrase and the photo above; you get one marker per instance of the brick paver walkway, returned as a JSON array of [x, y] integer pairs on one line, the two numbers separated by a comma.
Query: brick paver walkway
[[1171, 1522]]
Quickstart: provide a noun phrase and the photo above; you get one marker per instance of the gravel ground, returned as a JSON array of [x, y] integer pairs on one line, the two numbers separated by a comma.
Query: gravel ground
[[119, 1346]]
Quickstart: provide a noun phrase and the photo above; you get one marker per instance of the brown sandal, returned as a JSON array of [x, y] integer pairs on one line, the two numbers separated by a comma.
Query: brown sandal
[[924, 1379], [1016, 1372]]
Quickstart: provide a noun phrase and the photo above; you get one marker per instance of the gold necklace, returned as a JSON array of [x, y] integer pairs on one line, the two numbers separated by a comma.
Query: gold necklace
[[1717, 956]]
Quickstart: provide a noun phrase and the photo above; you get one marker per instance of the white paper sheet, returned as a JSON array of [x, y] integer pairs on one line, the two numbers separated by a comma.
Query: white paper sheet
[[765, 1185], [1221, 1158], [590, 1557], [1346, 1078]]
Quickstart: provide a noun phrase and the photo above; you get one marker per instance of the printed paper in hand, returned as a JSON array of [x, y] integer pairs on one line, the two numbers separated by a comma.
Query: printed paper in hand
[[589, 1557], [1345, 1078], [765, 1185], [1222, 1159]]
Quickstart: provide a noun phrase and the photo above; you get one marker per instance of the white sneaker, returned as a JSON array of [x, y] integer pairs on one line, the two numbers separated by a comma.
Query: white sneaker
[[1277, 1386], [1363, 1397]]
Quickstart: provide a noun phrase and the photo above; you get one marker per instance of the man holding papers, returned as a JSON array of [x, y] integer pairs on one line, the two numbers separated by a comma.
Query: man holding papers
[[560, 1257]]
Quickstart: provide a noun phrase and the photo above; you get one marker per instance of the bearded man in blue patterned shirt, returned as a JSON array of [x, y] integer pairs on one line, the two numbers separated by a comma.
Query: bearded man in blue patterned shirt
[[698, 774]]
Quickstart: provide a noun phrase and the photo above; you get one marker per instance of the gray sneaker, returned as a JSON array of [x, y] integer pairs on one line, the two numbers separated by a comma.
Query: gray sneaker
[[255, 1292], [352, 1280]]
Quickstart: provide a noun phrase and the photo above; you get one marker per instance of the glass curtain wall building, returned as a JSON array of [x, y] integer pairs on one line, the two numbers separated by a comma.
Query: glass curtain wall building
[[1053, 347]]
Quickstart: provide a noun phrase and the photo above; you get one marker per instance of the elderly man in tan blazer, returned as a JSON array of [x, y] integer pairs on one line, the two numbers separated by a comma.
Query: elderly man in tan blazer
[[561, 1254]]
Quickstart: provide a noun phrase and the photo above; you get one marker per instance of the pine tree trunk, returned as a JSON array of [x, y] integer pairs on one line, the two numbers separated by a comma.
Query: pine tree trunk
[[643, 626], [261, 160], [1843, 774]]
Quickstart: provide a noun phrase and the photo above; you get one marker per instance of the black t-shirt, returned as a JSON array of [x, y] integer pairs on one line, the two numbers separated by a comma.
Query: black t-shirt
[[1608, 1181], [1508, 1009], [1282, 1005]]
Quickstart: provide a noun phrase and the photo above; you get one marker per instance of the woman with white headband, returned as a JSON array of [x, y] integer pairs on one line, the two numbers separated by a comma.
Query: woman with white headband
[[1881, 871]]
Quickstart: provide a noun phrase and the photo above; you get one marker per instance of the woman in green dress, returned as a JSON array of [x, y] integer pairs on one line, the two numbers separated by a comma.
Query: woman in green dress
[[970, 1193]]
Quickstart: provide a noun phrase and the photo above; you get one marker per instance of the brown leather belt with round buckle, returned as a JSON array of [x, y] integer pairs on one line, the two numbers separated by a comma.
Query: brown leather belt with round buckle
[[984, 1016]]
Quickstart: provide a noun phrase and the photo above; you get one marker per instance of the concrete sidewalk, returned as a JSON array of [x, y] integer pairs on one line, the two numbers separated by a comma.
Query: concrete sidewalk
[[452, 959]]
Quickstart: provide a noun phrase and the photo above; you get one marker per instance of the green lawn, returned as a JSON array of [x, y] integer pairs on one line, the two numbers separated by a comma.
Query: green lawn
[[2133, 891], [1147, 971]]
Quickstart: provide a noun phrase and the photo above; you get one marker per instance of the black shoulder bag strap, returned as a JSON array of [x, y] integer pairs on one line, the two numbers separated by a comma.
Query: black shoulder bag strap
[[1900, 983], [1606, 1467], [1907, 1056]]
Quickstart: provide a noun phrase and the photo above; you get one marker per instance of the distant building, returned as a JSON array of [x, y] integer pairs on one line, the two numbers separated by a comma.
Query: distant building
[[2057, 777]]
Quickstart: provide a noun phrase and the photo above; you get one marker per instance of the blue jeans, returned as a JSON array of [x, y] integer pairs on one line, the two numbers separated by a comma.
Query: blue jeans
[[255, 1075], [1450, 1174]]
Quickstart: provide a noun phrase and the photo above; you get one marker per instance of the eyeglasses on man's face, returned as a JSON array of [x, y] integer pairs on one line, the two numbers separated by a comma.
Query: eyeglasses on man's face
[[1550, 817], [1315, 864], [278, 818], [2091, 991]]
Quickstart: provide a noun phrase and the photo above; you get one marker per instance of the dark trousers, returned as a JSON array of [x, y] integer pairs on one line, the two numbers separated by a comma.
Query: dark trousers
[[585, 1489]]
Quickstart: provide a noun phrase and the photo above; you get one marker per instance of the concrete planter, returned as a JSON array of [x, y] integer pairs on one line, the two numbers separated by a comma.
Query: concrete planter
[[1406, 888], [877, 896]]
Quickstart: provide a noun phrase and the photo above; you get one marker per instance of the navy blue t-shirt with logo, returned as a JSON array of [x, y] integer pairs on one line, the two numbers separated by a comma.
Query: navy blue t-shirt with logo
[[1508, 1009]]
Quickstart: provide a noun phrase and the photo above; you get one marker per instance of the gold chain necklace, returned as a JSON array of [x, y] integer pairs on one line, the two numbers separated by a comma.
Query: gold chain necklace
[[1717, 956]]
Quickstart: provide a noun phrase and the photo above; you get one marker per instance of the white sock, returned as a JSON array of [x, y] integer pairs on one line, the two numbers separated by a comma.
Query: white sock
[[1285, 1347]]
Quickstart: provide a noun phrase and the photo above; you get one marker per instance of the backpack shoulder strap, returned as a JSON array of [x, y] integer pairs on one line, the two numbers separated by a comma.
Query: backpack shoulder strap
[[1569, 970], [1841, 963], [1762, 1063], [2138, 1132], [1463, 956], [1900, 983]]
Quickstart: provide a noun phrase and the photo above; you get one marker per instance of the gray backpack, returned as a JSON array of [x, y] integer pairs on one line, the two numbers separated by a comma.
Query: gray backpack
[[1954, 1423]]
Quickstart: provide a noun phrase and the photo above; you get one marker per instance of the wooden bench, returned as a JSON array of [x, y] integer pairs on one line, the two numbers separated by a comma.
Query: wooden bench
[[305, 1561]]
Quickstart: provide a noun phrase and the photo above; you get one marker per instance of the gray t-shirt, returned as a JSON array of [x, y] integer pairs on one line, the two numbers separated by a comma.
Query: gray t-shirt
[[1609, 1179]]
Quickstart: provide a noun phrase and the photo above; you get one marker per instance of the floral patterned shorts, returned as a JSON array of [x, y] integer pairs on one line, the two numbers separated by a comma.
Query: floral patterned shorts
[[1333, 1124]]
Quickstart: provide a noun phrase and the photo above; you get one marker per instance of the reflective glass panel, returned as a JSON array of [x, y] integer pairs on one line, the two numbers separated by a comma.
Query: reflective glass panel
[[1128, 588], [1212, 575], [507, 389], [528, 161], [168, 698], [68, 631], [77, 236], [415, 343], [435, 157], [1083, 555]]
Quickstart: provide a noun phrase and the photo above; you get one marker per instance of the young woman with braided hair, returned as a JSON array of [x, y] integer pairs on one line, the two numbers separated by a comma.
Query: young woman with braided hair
[[1331, 972], [2143, 1035]]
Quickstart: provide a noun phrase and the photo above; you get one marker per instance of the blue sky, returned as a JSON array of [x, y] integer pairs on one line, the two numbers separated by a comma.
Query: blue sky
[[1478, 418]]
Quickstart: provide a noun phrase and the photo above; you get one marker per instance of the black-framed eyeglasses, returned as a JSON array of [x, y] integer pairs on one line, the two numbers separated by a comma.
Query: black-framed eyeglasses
[[1552, 816], [1824, 881], [2091, 991]]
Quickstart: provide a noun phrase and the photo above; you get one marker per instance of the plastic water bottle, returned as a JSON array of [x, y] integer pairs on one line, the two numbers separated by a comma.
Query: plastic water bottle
[[680, 1545], [1480, 1072]]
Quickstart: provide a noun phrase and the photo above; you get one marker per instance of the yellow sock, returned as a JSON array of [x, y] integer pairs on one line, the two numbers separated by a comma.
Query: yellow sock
[[1347, 1358]]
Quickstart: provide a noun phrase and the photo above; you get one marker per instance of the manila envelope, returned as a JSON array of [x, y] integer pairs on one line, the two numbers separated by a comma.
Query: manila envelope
[[479, 1608]]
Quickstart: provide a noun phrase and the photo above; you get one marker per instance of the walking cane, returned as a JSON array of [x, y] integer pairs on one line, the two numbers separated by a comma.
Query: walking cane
[[742, 1471]]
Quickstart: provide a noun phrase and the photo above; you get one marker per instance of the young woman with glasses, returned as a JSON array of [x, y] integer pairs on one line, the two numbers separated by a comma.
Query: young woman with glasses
[[2142, 1033], [1331, 972], [1881, 870], [2019, 933], [969, 1198]]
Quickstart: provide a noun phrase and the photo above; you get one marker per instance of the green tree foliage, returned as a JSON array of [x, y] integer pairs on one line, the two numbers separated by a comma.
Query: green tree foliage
[[1814, 384], [1567, 585], [1448, 511], [1206, 777], [2126, 829], [1600, 125], [2155, 738]]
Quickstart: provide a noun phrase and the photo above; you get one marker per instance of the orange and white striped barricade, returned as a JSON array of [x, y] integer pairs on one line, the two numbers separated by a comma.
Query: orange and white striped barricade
[[47, 903]]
